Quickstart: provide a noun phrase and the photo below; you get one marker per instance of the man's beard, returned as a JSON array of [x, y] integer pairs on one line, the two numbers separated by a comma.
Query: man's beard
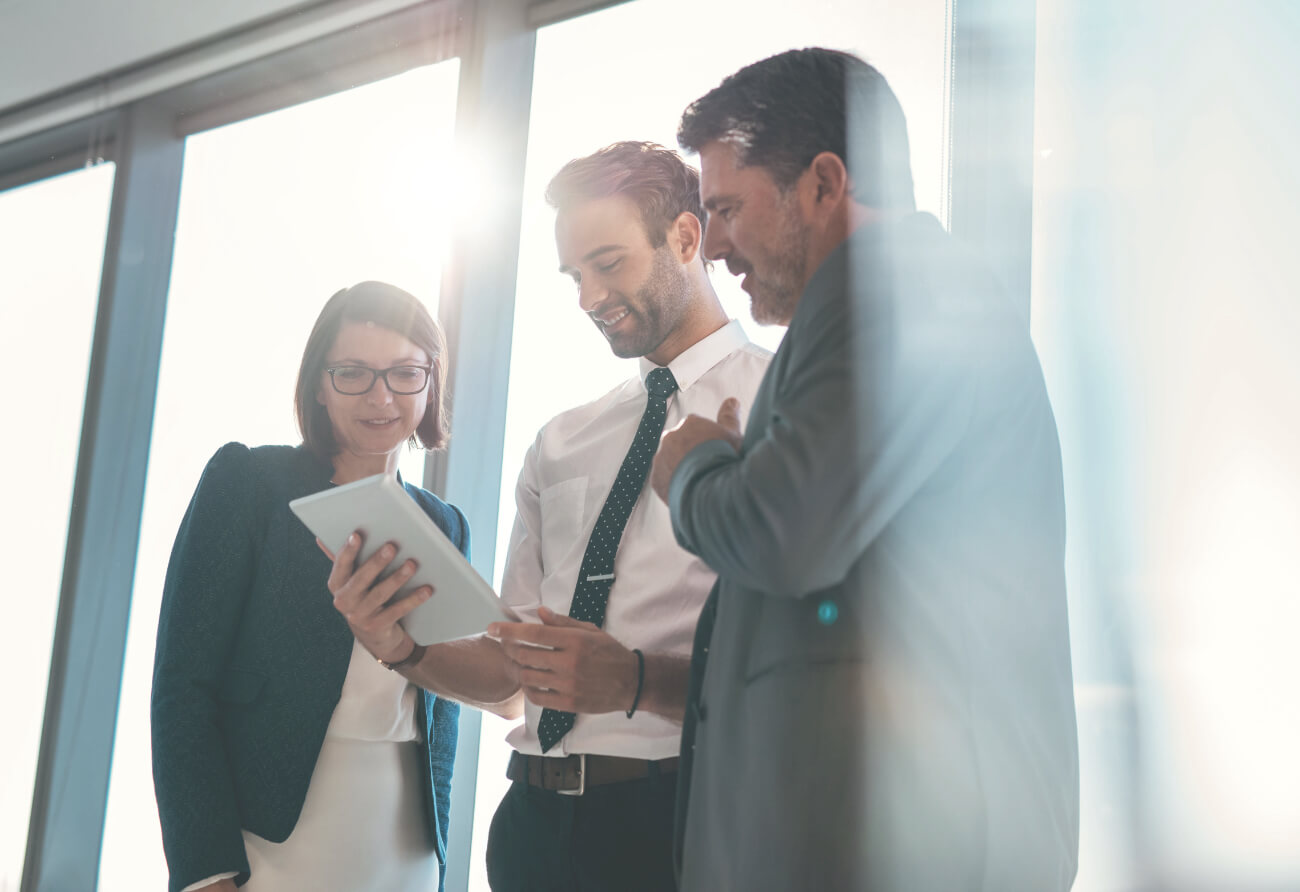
[[773, 298], [660, 305]]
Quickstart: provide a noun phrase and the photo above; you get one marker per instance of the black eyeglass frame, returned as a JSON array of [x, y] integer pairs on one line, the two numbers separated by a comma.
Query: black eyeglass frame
[[375, 375]]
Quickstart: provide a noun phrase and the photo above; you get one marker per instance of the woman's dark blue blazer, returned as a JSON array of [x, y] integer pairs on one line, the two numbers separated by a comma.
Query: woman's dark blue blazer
[[250, 662]]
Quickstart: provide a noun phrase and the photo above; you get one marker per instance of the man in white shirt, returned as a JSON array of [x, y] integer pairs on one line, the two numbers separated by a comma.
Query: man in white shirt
[[592, 557]]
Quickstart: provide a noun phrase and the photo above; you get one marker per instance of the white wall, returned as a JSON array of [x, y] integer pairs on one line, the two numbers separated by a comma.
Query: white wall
[[49, 45]]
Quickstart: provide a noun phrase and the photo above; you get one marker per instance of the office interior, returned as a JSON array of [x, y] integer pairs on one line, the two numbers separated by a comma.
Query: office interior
[[183, 185]]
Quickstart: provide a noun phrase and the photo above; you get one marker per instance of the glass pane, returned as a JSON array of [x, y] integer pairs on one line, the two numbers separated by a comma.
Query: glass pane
[[1165, 313], [276, 214], [51, 253], [638, 89]]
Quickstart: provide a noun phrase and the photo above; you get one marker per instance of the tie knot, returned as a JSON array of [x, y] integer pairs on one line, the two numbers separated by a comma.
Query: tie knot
[[660, 383]]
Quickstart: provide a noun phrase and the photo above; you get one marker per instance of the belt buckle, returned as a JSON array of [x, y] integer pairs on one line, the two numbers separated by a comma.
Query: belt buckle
[[582, 778]]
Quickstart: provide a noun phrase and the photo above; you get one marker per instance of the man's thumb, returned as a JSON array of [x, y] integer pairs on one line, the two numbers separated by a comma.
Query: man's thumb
[[729, 413]]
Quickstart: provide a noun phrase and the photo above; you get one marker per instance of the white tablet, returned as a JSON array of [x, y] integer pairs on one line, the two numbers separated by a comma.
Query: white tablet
[[462, 603]]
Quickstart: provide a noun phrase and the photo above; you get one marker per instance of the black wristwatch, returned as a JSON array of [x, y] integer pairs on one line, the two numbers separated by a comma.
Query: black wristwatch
[[416, 654]]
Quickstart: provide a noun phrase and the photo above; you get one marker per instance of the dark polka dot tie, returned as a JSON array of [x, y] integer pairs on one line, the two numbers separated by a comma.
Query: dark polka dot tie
[[596, 576]]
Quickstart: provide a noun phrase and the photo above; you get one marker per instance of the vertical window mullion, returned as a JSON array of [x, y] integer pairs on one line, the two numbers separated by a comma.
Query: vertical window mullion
[[71, 787]]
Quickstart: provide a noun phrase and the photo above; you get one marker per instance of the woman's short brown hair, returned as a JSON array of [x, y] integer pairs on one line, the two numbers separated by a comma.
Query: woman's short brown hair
[[390, 307]]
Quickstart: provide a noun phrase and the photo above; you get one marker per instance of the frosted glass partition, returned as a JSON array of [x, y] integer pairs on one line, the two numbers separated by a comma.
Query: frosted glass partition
[[1164, 309]]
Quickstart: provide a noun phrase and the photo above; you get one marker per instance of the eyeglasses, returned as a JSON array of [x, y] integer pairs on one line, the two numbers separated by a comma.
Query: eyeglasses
[[354, 380]]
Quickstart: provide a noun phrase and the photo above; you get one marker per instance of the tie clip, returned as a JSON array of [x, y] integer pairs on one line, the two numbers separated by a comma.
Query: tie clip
[[600, 578]]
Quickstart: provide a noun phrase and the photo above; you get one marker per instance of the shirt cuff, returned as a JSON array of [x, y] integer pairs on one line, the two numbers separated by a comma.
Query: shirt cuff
[[209, 881]]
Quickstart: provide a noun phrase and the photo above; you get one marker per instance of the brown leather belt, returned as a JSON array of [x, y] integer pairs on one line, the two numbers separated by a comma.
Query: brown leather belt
[[571, 775]]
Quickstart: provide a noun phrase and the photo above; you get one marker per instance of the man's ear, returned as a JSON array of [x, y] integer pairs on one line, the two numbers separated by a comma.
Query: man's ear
[[829, 180], [684, 235]]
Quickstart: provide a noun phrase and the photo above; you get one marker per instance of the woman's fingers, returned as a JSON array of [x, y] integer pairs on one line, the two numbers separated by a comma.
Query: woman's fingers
[[343, 561], [351, 587], [369, 571], [379, 594], [402, 607], [366, 601]]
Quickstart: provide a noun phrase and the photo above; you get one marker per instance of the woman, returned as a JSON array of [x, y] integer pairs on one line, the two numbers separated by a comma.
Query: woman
[[284, 755]]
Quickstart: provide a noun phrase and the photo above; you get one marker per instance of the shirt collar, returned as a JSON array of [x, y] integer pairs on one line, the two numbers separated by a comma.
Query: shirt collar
[[701, 356]]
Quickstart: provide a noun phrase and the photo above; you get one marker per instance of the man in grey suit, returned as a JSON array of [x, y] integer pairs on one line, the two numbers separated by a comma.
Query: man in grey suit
[[881, 693]]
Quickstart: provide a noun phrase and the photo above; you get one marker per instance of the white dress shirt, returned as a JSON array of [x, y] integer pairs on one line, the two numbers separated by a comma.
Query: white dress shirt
[[658, 588]]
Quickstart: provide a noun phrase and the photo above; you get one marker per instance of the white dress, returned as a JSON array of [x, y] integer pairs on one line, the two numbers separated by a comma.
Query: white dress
[[362, 827]]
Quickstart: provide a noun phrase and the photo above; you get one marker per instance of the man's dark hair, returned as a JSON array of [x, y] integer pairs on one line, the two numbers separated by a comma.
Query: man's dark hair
[[784, 111], [657, 180]]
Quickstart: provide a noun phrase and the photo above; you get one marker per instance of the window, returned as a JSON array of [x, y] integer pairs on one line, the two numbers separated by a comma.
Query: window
[[51, 252], [277, 213]]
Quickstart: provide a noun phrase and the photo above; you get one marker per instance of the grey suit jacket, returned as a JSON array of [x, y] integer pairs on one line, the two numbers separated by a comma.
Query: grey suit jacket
[[881, 692]]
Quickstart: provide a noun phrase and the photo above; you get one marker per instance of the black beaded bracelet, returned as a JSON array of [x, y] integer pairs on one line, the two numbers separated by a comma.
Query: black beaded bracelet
[[640, 679]]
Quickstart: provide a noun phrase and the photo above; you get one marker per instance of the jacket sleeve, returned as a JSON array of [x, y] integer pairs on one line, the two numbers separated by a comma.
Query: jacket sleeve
[[208, 579], [866, 411]]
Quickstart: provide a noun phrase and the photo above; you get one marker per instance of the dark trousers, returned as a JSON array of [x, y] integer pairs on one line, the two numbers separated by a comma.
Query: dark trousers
[[614, 838]]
